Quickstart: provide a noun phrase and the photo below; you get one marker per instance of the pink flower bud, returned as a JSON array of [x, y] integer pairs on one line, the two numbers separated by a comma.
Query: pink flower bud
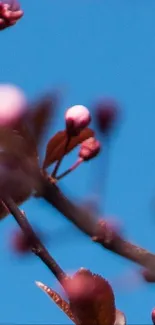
[[106, 113], [12, 104], [89, 149], [20, 243], [10, 13], [148, 276], [153, 316], [77, 118]]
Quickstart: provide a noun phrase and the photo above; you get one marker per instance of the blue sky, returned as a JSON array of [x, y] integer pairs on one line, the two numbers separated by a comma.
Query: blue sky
[[89, 48]]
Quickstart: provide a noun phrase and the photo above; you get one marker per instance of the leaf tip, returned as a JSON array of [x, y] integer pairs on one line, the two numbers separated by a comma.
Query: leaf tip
[[40, 285]]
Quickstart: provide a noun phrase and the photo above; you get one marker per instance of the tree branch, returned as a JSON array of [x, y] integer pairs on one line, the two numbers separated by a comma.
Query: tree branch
[[36, 245], [100, 232]]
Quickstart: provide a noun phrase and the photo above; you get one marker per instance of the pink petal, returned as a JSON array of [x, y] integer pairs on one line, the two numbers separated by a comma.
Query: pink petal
[[14, 5]]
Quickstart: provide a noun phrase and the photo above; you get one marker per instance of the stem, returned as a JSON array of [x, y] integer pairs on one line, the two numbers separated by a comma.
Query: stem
[[101, 233], [60, 160], [37, 247], [78, 162]]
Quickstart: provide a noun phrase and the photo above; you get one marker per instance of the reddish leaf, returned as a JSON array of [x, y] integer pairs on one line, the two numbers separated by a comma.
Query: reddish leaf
[[56, 146], [30, 146], [33, 124], [15, 180], [61, 303], [91, 299], [12, 142], [42, 114], [21, 194]]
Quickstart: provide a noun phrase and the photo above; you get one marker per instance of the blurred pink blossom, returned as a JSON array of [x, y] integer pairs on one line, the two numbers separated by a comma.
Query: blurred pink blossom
[[148, 276], [10, 13], [106, 113], [12, 104], [153, 315], [20, 243], [13, 4]]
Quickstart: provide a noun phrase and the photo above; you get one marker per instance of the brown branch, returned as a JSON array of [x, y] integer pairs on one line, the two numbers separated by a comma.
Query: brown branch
[[99, 232], [36, 245]]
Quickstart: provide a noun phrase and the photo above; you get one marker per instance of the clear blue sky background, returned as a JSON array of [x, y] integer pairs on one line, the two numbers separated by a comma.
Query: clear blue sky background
[[90, 48]]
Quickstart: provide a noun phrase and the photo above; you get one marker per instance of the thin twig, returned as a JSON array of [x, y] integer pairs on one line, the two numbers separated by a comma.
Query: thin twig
[[36, 245], [69, 170], [101, 233]]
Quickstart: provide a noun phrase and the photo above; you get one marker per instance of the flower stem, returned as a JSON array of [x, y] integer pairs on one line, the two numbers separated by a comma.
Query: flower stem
[[78, 162], [36, 245]]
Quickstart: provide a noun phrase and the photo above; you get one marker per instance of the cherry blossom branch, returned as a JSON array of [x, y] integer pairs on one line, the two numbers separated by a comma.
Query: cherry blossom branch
[[36, 245], [100, 232]]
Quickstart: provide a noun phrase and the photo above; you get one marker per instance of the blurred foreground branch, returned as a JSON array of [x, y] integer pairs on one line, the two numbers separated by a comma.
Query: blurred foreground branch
[[36, 245]]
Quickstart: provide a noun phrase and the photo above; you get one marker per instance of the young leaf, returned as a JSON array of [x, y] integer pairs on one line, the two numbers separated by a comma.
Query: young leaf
[[30, 146], [120, 318], [15, 180], [61, 303], [91, 299], [33, 124], [41, 115], [56, 145], [15, 143]]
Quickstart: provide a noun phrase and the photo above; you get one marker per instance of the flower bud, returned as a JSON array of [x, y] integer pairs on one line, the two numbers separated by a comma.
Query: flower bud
[[89, 149], [106, 114], [10, 13], [153, 316], [148, 276], [77, 118], [20, 243], [12, 104]]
